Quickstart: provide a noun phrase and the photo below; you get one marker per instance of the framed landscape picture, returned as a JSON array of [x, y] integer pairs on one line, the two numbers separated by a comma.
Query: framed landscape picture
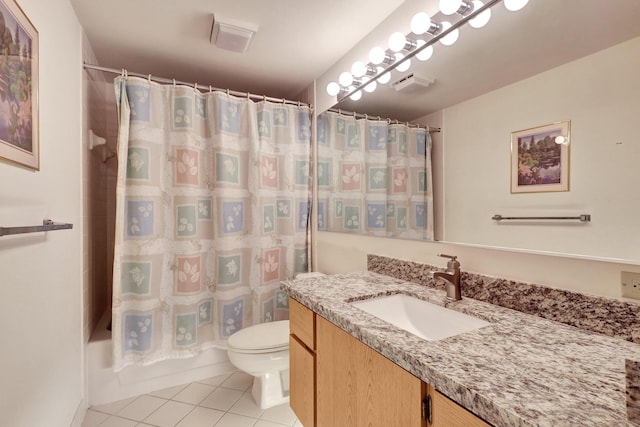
[[540, 158], [19, 142]]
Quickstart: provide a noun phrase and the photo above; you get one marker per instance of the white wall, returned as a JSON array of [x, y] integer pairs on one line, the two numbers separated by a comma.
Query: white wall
[[41, 375], [599, 94]]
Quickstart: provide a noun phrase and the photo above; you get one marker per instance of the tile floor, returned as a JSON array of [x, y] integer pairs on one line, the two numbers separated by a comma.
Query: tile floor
[[223, 401]]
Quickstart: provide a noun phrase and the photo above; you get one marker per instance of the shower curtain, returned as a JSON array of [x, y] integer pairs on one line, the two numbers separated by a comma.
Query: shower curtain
[[374, 177], [213, 200]]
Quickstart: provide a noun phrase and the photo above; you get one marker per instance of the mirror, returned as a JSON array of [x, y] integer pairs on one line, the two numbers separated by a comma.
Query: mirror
[[552, 61]]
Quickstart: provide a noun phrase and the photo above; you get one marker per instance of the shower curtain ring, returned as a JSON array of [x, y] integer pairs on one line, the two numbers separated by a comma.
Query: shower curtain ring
[[227, 91], [174, 82], [195, 86], [149, 78], [210, 89]]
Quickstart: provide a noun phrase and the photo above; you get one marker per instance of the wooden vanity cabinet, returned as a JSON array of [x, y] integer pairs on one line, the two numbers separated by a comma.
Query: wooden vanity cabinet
[[356, 386], [337, 380], [302, 362]]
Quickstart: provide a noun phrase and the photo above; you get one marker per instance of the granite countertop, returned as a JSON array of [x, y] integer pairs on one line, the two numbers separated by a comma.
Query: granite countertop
[[521, 370]]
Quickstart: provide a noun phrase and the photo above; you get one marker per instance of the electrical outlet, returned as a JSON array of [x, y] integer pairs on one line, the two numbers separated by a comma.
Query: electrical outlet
[[630, 284]]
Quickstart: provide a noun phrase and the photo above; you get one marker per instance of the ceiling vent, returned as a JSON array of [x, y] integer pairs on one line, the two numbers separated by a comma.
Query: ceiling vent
[[232, 35], [412, 83]]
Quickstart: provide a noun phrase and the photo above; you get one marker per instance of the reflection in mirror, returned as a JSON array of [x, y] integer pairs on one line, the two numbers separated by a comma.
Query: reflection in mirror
[[551, 61], [374, 177]]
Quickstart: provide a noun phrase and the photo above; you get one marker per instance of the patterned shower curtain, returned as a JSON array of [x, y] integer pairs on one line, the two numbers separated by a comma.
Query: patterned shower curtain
[[374, 177], [213, 199]]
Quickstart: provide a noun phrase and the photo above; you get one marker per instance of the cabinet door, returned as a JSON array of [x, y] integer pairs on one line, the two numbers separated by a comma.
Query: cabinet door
[[356, 386], [302, 323], [301, 382], [447, 413]]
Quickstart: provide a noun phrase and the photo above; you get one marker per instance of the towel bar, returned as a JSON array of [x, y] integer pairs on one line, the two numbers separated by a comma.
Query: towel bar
[[47, 225], [581, 218]]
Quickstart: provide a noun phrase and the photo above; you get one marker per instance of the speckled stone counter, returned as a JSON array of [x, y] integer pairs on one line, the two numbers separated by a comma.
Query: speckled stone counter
[[607, 316], [522, 370]]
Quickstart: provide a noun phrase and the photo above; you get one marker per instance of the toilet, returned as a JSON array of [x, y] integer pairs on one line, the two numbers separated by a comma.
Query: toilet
[[262, 351]]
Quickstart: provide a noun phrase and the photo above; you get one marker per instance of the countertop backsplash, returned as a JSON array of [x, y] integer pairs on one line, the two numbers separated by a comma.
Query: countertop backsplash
[[608, 316]]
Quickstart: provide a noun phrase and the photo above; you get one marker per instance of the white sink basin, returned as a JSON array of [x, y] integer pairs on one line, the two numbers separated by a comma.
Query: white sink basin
[[428, 321]]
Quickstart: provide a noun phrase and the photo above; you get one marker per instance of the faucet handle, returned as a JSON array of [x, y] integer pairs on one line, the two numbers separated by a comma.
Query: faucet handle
[[454, 263]]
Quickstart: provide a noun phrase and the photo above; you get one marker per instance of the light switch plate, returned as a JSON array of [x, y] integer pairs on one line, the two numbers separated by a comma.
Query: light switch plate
[[630, 284]]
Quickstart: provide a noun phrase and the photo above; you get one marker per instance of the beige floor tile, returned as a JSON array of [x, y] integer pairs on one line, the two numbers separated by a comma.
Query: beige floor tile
[[168, 393], [201, 417], [114, 421], [281, 414], [263, 423], [141, 408], [114, 407], [234, 420], [194, 393], [215, 381], [169, 414], [222, 399], [93, 418], [238, 381], [246, 406]]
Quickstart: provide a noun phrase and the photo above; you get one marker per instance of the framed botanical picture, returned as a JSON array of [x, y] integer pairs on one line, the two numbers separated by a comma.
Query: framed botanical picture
[[540, 158], [19, 140]]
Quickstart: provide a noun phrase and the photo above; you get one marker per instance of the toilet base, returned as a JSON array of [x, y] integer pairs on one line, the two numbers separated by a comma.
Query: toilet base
[[271, 389]]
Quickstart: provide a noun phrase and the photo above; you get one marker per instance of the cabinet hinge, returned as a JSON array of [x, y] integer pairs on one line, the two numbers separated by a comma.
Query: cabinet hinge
[[426, 409]]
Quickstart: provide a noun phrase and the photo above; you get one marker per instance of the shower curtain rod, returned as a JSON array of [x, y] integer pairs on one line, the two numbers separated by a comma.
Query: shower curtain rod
[[390, 121], [193, 85]]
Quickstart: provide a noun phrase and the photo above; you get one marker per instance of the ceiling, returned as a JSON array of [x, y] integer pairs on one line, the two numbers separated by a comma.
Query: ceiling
[[296, 41], [299, 41]]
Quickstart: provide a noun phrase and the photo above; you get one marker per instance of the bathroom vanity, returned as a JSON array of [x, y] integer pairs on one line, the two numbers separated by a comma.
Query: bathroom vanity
[[351, 368], [355, 385]]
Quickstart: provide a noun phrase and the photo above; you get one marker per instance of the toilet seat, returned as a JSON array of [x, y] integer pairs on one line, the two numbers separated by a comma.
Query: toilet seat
[[262, 338]]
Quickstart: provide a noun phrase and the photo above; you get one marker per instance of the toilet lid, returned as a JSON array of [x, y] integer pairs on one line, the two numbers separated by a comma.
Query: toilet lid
[[264, 336]]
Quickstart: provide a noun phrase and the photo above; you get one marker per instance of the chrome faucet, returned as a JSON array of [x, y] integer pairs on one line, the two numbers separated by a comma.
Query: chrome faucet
[[451, 277]]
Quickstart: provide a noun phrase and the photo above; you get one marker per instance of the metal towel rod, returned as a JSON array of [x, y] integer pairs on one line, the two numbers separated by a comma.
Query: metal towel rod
[[581, 218], [47, 225]]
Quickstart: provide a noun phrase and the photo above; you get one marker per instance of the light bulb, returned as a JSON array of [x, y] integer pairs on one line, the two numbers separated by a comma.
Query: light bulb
[[356, 95], [420, 23], [482, 19], [449, 7], [397, 41], [425, 53], [345, 79], [369, 85], [377, 55], [515, 5], [358, 69], [405, 65], [450, 38], [384, 78], [333, 89]]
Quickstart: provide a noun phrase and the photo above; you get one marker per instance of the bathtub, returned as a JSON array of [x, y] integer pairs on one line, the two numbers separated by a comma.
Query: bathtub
[[105, 386]]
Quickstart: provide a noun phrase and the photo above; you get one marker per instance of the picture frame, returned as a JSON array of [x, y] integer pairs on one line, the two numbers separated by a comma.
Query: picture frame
[[540, 158], [19, 125]]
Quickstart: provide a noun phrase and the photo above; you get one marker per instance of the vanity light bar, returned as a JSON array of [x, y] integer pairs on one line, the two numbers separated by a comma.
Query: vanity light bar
[[581, 218], [345, 92]]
